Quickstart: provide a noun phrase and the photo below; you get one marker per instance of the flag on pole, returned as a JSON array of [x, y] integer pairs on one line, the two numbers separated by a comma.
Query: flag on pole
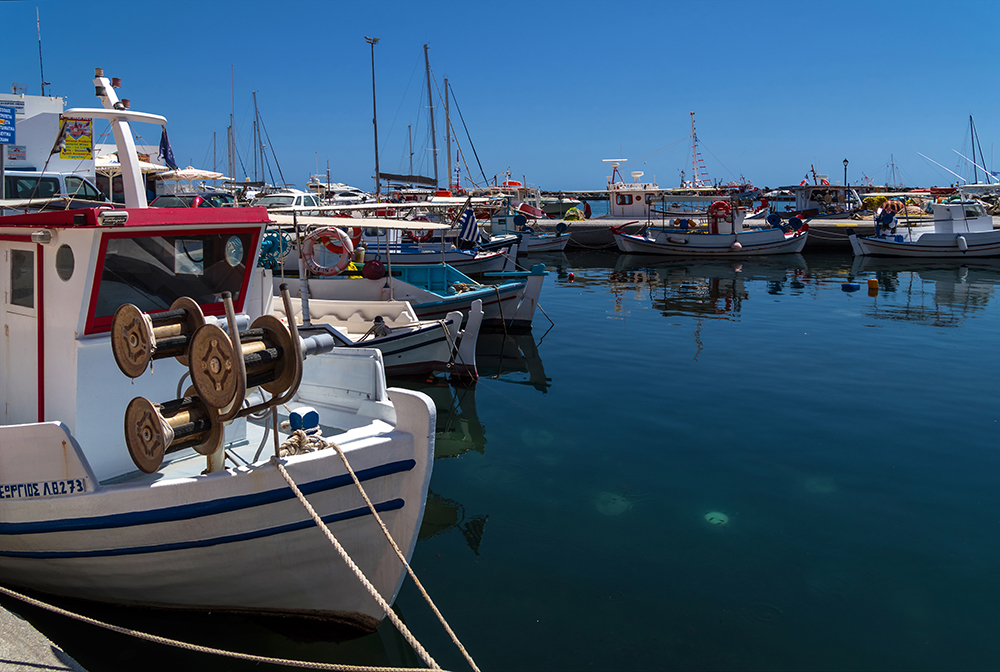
[[470, 229], [166, 153]]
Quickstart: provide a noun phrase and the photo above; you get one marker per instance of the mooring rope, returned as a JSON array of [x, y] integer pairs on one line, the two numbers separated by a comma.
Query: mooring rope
[[392, 542], [403, 630], [157, 639]]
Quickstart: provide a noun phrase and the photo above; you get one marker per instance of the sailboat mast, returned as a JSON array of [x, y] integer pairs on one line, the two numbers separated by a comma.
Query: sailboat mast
[[430, 103], [256, 141], [447, 131], [972, 136], [378, 183]]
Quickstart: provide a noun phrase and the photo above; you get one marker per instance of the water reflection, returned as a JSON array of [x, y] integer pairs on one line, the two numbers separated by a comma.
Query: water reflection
[[936, 292], [713, 288], [512, 358]]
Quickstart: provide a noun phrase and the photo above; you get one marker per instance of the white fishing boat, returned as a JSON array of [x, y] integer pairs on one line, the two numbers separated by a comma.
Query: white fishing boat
[[960, 228], [183, 506], [409, 345], [723, 235], [507, 222], [401, 241], [434, 290]]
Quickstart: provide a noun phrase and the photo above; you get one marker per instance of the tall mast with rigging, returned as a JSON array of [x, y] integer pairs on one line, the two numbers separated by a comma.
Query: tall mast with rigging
[[430, 103]]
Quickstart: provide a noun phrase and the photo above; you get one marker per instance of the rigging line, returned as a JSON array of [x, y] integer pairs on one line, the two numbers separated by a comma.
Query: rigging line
[[702, 146], [271, 147], [673, 144], [471, 144], [400, 108]]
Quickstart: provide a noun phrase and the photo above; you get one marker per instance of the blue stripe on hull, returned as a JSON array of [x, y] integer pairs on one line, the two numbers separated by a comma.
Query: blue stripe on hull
[[210, 508], [391, 505]]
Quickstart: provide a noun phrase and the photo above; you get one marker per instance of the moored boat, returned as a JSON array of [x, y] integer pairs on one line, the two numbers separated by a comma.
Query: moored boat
[[178, 509], [960, 228]]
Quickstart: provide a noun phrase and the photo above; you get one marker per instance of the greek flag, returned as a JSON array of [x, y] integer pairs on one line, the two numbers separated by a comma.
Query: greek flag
[[470, 229]]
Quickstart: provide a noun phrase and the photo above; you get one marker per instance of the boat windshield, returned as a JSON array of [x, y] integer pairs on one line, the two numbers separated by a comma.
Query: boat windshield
[[152, 272]]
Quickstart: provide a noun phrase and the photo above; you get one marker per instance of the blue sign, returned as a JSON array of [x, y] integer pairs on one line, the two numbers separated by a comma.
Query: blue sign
[[7, 126]]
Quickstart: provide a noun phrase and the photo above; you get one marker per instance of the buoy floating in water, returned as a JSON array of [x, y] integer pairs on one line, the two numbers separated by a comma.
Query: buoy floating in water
[[872, 283], [850, 287], [572, 277]]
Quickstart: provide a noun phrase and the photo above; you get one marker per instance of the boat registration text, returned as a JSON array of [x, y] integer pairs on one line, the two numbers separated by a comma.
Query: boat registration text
[[43, 489]]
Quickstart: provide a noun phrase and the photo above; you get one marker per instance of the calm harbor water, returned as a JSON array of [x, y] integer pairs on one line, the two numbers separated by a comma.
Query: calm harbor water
[[702, 465]]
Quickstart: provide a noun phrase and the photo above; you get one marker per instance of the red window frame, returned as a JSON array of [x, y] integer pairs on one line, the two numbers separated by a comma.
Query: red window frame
[[97, 325]]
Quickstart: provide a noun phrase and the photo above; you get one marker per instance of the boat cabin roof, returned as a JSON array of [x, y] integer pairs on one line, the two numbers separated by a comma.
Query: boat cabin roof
[[108, 217]]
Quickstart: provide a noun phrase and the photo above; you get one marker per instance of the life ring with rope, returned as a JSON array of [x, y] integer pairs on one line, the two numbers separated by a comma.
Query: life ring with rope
[[335, 246], [421, 236], [325, 237], [718, 211]]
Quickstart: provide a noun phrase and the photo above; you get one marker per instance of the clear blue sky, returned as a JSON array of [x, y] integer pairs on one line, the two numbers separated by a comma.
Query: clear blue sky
[[547, 89]]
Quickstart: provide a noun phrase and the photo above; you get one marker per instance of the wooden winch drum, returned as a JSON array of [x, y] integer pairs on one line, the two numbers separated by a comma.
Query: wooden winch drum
[[137, 338], [153, 430], [265, 353]]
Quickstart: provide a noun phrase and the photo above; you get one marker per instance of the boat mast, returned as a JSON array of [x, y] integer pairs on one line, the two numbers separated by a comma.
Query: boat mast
[[699, 176], [430, 103], [378, 188], [447, 132], [972, 139], [256, 141]]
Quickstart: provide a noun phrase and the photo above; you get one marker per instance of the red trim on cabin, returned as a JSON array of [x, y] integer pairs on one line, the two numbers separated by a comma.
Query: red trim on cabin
[[96, 325], [40, 333], [197, 217]]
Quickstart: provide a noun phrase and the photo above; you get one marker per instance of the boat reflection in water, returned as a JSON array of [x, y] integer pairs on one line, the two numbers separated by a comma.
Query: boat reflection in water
[[702, 287], [512, 358], [961, 288], [458, 431]]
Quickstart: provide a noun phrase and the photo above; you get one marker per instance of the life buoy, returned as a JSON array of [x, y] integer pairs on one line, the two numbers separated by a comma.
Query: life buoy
[[717, 211], [334, 245], [824, 182], [324, 237], [421, 236]]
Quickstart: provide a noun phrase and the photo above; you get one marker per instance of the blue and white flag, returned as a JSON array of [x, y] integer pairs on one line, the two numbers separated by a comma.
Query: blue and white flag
[[166, 153], [470, 229]]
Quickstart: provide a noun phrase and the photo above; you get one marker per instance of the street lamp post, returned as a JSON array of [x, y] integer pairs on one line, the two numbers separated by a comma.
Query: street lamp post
[[845, 172], [373, 41]]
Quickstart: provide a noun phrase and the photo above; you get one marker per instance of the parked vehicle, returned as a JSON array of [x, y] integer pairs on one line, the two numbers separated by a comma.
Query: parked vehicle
[[25, 184], [202, 199]]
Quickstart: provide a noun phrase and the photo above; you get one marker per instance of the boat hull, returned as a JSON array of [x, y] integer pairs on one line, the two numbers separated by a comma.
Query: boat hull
[[236, 540], [931, 245], [688, 244]]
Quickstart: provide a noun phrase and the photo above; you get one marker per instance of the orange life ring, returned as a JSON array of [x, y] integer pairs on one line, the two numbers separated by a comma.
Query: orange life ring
[[421, 236], [334, 244], [717, 211], [325, 237]]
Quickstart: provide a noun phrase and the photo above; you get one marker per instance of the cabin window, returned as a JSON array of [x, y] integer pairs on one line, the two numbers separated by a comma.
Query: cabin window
[[22, 278], [152, 272], [624, 199], [64, 262]]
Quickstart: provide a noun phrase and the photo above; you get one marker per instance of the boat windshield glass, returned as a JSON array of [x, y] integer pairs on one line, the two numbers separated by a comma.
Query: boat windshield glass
[[152, 272]]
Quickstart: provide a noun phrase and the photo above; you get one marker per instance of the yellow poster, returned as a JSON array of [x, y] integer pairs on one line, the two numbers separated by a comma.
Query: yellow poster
[[78, 139]]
